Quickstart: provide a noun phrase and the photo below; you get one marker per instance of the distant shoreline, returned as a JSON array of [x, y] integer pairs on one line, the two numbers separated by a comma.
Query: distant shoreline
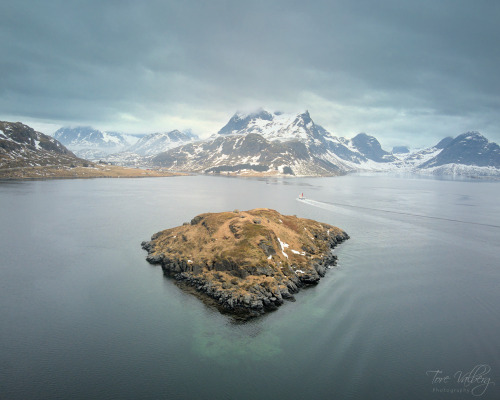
[[93, 171]]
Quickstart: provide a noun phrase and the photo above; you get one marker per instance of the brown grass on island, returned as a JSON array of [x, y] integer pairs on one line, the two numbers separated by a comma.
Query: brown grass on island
[[248, 260]]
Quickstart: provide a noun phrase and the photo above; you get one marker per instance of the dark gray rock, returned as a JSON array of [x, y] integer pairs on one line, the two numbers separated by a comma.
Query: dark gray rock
[[196, 220], [259, 298], [267, 247]]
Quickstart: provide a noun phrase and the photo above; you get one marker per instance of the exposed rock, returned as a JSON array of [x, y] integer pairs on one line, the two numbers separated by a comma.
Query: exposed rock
[[246, 267]]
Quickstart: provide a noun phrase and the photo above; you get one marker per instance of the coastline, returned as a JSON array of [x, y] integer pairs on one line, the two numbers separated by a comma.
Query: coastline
[[92, 171]]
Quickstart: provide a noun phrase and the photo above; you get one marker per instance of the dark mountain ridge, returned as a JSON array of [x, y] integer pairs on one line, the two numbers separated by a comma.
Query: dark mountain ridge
[[21, 146], [470, 148]]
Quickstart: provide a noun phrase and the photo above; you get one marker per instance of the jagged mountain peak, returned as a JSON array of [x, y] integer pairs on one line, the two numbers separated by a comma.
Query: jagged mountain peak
[[277, 126], [305, 116], [304, 119]]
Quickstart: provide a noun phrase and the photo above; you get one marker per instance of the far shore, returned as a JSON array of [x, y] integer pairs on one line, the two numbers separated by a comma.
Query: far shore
[[92, 171]]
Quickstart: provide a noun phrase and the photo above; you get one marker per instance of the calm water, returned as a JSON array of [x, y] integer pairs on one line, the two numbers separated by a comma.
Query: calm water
[[83, 315]]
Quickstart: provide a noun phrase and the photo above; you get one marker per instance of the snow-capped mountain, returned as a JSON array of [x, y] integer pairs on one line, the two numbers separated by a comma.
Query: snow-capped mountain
[[278, 142], [93, 144], [89, 143], [21, 146], [277, 126], [155, 143], [469, 148], [469, 154], [251, 152], [86, 137], [348, 154]]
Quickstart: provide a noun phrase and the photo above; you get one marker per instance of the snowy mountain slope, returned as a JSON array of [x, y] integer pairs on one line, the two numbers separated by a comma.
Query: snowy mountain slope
[[349, 154], [469, 154], [246, 152], [414, 159], [88, 137], [91, 143], [286, 127], [470, 148], [22, 146], [159, 142]]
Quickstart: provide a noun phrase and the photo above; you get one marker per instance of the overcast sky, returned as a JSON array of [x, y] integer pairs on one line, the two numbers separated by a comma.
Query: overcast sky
[[407, 72]]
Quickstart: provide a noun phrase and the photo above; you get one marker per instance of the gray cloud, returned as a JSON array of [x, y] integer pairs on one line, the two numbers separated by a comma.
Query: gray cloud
[[407, 72]]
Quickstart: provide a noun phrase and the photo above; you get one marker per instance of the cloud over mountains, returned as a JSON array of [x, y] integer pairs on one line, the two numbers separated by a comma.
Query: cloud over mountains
[[408, 73]]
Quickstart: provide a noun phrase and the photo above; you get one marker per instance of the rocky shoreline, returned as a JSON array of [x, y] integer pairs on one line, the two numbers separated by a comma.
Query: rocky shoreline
[[246, 288]]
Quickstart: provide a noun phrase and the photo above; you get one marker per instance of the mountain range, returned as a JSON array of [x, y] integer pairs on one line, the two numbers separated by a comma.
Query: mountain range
[[261, 143], [28, 154], [278, 143], [94, 144]]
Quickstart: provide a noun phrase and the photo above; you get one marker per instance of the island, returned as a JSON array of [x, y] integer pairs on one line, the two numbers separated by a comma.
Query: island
[[246, 262]]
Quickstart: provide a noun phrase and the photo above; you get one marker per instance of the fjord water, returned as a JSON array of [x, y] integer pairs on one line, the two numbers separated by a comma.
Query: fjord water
[[414, 297]]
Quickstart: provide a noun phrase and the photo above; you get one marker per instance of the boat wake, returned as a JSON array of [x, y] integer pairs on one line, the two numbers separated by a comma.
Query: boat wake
[[331, 207]]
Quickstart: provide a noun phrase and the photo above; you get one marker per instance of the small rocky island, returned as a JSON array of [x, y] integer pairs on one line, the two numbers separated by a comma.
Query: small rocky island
[[248, 262]]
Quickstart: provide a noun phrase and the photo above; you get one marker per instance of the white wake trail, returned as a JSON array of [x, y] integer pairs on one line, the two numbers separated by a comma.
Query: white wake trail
[[335, 206]]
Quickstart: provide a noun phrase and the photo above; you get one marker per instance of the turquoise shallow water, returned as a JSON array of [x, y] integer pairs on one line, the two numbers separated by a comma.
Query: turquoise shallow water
[[85, 316]]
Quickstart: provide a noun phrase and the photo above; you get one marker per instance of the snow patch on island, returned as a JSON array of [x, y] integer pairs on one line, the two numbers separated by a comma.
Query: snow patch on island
[[283, 247]]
